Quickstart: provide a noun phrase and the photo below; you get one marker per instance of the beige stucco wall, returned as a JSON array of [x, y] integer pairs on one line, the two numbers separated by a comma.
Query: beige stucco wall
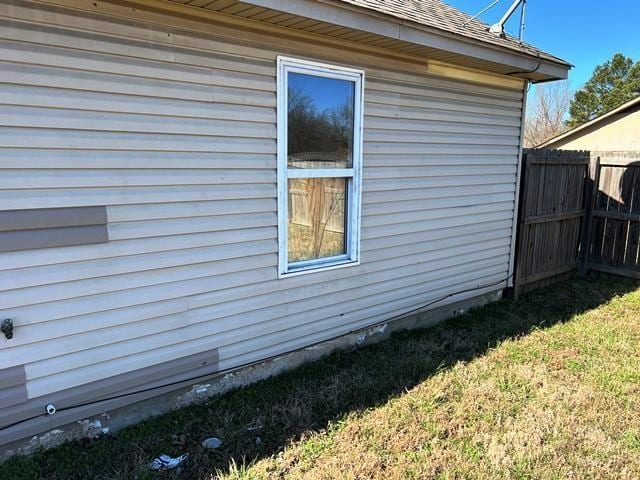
[[620, 133]]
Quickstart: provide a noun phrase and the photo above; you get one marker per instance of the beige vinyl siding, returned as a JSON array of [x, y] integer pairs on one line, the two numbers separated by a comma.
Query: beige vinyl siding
[[174, 132]]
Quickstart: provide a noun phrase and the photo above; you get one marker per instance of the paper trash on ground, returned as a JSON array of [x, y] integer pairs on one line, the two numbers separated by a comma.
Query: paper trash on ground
[[166, 462]]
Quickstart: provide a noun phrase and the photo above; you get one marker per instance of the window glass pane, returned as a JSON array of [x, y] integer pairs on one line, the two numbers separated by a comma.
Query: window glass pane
[[320, 121], [316, 218]]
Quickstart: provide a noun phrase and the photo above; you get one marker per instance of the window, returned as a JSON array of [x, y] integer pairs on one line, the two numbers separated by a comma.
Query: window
[[319, 165]]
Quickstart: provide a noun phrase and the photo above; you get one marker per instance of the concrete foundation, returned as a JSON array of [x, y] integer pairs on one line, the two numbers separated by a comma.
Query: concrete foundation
[[114, 420]]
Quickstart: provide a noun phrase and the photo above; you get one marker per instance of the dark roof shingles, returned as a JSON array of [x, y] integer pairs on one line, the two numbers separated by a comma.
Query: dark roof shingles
[[437, 14]]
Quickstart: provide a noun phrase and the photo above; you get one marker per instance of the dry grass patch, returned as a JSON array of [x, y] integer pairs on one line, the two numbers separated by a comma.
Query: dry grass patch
[[559, 403], [547, 387]]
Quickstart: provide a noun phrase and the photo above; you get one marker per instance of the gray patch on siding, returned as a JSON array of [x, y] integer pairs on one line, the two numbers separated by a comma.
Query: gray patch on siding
[[177, 372], [52, 227], [13, 386], [51, 217]]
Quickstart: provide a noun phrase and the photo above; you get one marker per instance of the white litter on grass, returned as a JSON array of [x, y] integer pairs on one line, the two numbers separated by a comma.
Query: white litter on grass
[[211, 442], [378, 329], [202, 389], [369, 333], [165, 462], [92, 428]]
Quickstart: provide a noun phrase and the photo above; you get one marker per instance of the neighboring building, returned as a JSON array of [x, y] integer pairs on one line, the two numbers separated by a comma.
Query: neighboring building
[[615, 131], [187, 190]]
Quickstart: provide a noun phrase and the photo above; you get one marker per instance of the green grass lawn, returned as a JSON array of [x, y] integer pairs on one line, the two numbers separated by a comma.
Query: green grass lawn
[[547, 387]]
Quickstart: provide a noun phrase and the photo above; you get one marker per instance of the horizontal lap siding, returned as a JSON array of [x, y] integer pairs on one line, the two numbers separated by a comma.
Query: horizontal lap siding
[[178, 142]]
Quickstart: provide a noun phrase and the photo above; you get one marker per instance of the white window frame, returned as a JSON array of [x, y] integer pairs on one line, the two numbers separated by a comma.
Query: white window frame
[[354, 174]]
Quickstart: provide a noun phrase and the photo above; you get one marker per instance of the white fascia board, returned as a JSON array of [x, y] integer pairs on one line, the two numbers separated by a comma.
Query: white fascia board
[[326, 12], [347, 17]]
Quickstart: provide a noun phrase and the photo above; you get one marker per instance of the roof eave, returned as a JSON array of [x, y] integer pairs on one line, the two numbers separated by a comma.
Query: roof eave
[[591, 123], [527, 66]]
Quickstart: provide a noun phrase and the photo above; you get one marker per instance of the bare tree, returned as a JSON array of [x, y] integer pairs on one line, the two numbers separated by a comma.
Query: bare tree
[[547, 113]]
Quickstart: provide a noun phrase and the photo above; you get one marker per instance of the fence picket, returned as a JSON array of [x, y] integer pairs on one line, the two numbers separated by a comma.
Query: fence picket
[[578, 210], [552, 214]]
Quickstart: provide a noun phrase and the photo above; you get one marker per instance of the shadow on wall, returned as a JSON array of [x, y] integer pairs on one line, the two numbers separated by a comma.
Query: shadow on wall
[[630, 188], [619, 185], [615, 234], [291, 406]]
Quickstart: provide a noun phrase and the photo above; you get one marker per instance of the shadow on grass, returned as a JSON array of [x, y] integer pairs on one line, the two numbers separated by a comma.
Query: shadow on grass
[[288, 407]]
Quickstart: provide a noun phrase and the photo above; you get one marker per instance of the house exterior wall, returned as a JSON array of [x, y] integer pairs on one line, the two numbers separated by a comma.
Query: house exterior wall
[[618, 133], [169, 125]]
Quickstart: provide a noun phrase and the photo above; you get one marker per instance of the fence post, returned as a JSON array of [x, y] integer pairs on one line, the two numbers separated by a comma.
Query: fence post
[[523, 194], [591, 193]]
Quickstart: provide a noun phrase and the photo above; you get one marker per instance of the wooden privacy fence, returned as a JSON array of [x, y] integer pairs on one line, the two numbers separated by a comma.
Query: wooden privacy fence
[[577, 210], [551, 217], [614, 222]]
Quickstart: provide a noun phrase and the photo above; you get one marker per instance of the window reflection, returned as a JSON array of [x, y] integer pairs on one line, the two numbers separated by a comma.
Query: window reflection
[[320, 122], [316, 218]]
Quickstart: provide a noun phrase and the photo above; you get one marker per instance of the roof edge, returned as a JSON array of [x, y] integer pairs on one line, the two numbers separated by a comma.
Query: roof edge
[[591, 123], [525, 65]]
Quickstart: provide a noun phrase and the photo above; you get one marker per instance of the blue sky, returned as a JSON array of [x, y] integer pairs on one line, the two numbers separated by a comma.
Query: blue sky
[[583, 32], [325, 93]]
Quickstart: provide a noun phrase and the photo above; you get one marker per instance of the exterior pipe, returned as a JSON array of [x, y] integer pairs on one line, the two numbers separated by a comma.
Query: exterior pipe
[[522, 19]]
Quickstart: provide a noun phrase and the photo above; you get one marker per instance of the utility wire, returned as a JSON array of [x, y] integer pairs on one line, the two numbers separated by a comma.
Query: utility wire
[[256, 362]]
